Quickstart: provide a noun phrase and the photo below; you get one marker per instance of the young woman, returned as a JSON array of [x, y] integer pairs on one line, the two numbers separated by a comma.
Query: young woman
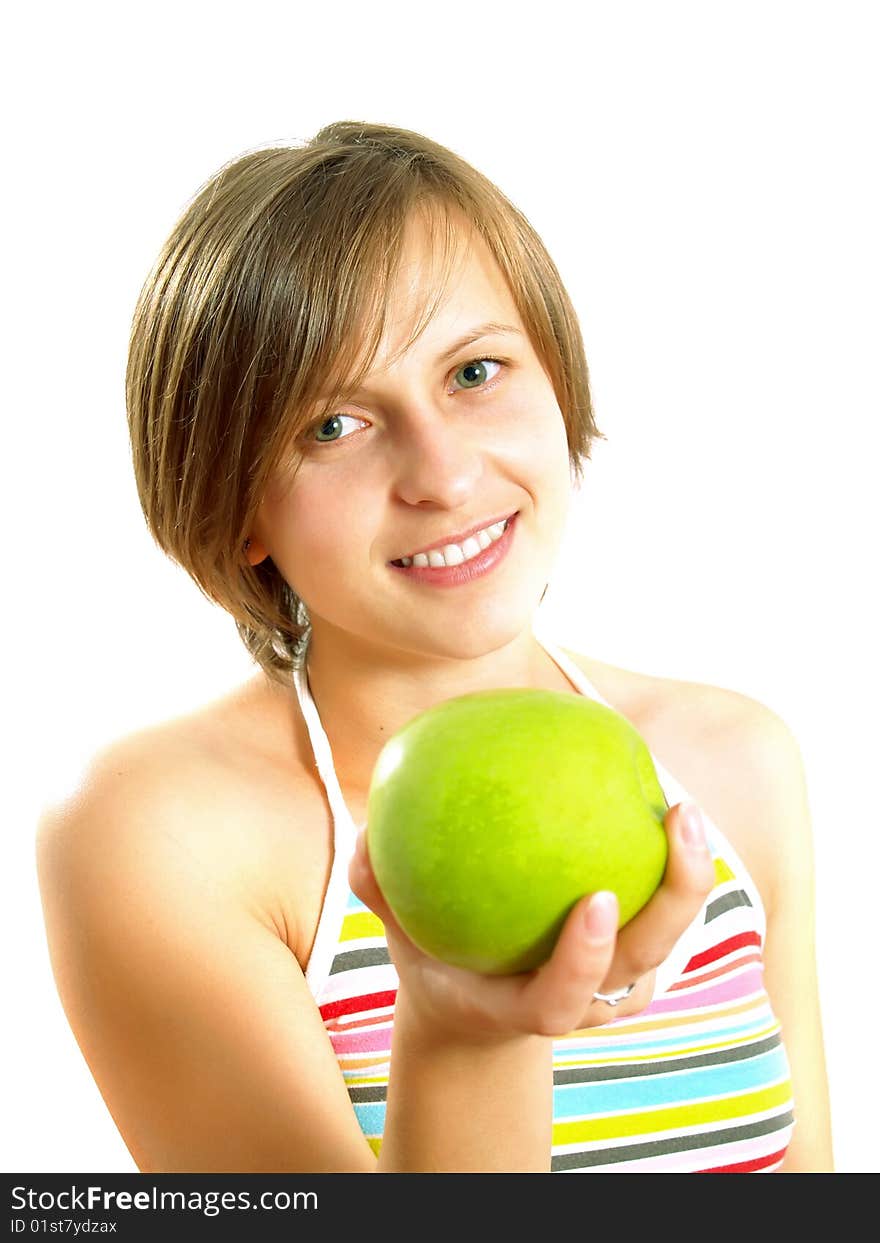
[[358, 400]]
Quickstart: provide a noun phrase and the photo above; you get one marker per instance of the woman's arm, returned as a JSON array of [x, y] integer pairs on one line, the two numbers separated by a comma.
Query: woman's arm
[[192, 1013], [750, 779], [778, 793]]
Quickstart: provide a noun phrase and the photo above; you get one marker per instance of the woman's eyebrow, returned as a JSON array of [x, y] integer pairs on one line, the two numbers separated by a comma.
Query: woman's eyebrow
[[476, 334]]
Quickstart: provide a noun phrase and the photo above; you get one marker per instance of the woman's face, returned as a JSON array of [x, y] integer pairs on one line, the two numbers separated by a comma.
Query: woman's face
[[435, 444]]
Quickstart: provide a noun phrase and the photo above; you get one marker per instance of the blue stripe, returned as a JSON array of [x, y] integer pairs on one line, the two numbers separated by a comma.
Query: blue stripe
[[371, 1117], [586, 1099], [687, 1039]]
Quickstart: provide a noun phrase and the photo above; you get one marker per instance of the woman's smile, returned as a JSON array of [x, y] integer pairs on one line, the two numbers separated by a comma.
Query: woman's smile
[[453, 565]]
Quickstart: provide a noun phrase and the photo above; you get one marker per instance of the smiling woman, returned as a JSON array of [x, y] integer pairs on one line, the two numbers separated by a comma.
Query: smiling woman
[[358, 400]]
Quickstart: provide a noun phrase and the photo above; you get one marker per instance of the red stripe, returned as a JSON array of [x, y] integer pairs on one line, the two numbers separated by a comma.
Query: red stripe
[[366, 1001], [745, 961], [725, 947], [747, 1167]]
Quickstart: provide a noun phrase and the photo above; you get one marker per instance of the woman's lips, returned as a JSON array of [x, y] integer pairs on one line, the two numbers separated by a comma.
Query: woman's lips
[[458, 575], [459, 538]]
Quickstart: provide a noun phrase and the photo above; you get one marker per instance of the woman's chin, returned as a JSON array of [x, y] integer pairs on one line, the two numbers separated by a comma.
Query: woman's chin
[[477, 634]]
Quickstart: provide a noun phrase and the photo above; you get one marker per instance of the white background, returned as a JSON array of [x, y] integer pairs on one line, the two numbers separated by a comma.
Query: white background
[[705, 176]]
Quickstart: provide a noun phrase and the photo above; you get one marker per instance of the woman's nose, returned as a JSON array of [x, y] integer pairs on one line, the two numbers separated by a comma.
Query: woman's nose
[[437, 460]]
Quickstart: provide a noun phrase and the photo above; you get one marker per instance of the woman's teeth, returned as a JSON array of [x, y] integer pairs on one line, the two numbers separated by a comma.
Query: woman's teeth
[[455, 554]]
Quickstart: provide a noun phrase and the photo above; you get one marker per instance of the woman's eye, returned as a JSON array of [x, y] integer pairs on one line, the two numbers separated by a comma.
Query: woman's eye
[[331, 427], [475, 374]]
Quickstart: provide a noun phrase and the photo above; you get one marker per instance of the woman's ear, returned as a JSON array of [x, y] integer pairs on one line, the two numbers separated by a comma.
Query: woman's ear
[[255, 551]]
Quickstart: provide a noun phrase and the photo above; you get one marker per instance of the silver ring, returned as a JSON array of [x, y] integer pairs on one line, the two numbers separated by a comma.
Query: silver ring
[[613, 999]]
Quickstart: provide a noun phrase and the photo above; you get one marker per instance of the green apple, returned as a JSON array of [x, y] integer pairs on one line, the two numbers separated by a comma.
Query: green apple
[[489, 815]]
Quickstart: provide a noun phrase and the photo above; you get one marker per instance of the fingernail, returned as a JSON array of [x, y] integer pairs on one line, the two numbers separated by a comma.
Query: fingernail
[[693, 831], [600, 917]]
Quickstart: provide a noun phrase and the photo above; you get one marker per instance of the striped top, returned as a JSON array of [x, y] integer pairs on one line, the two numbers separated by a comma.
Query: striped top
[[696, 1082]]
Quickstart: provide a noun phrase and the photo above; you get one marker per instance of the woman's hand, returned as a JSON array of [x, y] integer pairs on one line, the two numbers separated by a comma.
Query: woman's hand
[[590, 955]]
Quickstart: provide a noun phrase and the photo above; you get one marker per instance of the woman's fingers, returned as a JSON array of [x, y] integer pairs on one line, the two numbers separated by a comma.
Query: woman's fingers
[[647, 939], [362, 882], [555, 997], [361, 878]]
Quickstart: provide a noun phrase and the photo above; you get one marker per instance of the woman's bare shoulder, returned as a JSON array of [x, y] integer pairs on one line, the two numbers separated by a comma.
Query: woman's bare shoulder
[[675, 708], [222, 783], [170, 881]]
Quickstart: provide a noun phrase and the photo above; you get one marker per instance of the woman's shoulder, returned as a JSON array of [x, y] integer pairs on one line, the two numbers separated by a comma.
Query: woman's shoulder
[[677, 711], [219, 785]]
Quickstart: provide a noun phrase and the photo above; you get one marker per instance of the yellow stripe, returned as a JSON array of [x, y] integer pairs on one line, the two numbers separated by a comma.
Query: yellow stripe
[[375, 1143], [361, 924], [592, 1130], [636, 1056], [347, 1061], [722, 871]]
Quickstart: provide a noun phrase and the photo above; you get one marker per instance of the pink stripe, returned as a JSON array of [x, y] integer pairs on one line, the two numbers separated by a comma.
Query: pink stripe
[[730, 990], [377, 1040], [700, 1158]]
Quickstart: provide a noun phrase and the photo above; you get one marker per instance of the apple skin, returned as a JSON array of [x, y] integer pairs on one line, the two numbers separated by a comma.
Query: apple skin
[[491, 814]]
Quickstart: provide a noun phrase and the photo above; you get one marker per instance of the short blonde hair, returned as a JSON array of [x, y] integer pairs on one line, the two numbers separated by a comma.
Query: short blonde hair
[[272, 281]]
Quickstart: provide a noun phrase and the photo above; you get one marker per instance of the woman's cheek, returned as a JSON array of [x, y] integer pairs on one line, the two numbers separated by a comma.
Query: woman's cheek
[[324, 523], [539, 446]]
